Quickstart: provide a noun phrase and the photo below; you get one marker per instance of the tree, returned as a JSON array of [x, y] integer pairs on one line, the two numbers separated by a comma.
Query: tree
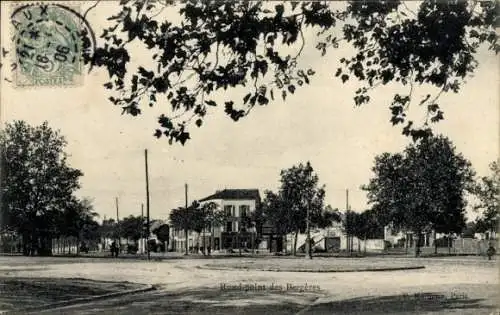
[[215, 217], [349, 224], [422, 188], [364, 225], [200, 220], [79, 220], [179, 218], [218, 46], [163, 235], [131, 227], [488, 193], [37, 183], [326, 218], [275, 213], [299, 193], [470, 230], [108, 229], [187, 219]]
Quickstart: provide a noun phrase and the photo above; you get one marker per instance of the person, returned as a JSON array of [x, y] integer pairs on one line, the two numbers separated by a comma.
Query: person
[[114, 249], [490, 252]]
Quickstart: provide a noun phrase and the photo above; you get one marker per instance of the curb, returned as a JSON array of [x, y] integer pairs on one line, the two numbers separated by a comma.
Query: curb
[[72, 302], [316, 271]]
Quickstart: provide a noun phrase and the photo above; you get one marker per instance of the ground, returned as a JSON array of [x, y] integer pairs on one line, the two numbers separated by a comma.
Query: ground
[[186, 286]]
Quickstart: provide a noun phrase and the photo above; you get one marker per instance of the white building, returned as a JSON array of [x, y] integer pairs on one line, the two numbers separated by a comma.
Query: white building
[[236, 203]]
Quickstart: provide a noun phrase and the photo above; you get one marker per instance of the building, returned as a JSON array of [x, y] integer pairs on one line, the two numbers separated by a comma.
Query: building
[[334, 239], [232, 234]]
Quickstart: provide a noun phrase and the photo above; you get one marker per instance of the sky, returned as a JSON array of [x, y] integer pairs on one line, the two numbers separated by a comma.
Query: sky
[[319, 124]]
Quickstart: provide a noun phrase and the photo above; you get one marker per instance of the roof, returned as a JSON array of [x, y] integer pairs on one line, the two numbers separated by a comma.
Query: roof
[[234, 194]]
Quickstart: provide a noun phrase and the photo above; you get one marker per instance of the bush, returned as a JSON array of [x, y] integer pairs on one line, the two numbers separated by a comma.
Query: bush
[[387, 244], [132, 249], [84, 248], [152, 246]]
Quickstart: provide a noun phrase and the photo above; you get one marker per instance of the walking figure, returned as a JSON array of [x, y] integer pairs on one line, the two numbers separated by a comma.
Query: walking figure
[[490, 252], [114, 249]]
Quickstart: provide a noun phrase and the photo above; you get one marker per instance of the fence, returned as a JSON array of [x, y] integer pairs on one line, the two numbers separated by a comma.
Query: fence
[[471, 246]]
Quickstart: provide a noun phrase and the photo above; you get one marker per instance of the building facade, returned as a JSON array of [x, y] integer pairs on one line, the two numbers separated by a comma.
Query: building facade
[[232, 233]]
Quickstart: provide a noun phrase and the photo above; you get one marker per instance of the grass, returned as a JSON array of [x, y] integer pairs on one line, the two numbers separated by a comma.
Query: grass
[[315, 265], [20, 293]]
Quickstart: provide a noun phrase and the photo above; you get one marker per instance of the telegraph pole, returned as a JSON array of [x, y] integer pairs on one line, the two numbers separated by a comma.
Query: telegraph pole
[[142, 227], [147, 202], [348, 217], [308, 237], [117, 220], [185, 231]]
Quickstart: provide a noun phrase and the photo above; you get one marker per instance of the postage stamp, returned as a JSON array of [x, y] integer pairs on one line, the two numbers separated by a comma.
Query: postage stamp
[[47, 45]]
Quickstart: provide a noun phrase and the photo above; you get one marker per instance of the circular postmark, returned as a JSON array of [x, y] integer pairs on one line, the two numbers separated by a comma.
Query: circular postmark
[[48, 45]]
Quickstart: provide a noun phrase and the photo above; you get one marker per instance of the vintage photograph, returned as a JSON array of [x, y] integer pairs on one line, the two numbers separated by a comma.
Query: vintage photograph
[[249, 157]]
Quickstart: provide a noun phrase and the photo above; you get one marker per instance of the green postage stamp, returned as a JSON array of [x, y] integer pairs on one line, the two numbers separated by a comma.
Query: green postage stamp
[[46, 40]]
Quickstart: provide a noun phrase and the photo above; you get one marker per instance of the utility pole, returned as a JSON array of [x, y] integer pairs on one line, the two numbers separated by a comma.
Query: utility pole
[[185, 231], [117, 220], [308, 237], [147, 202], [348, 219], [142, 227]]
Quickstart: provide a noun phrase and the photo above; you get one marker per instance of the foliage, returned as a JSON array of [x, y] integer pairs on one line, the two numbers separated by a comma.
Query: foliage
[[364, 225], [79, 220], [299, 192], [192, 218], [369, 226], [422, 188], [286, 211], [108, 229], [257, 46], [488, 193], [131, 227], [469, 230], [163, 233], [181, 218], [275, 213], [37, 183]]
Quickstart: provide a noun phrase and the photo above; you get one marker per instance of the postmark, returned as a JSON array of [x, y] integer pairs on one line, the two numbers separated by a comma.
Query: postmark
[[47, 44]]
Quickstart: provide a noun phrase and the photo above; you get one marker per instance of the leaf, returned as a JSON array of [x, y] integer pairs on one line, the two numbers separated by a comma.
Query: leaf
[[245, 99], [433, 107], [344, 78], [183, 137], [262, 100], [108, 85], [211, 103], [279, 10], [199, 122], [291, 88]]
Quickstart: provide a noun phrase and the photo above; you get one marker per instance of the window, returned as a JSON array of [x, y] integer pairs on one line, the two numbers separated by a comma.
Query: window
[[229, 226], [227, 210], [244, 210]]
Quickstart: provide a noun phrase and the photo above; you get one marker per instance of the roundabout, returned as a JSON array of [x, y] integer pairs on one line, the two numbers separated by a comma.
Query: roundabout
[[317, 265]]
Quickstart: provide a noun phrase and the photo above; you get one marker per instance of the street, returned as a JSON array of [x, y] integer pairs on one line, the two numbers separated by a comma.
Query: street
[[445, 286]]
